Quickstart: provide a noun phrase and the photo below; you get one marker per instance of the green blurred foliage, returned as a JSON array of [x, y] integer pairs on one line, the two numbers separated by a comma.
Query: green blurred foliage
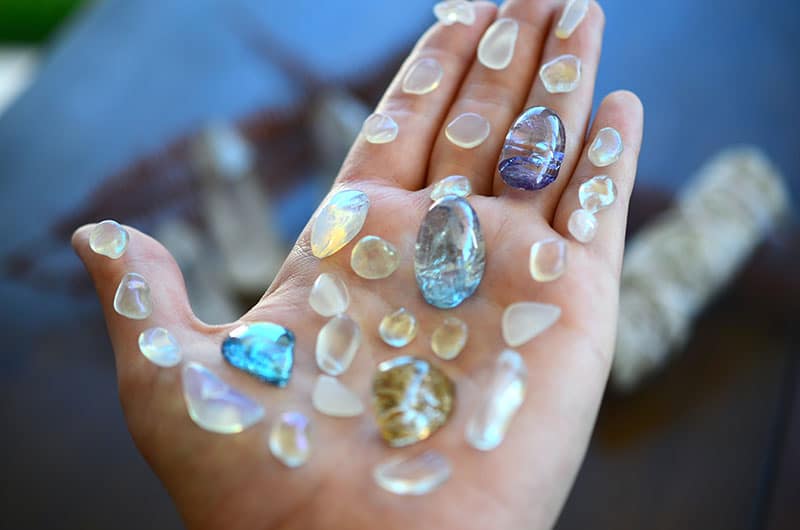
[[32, 21]]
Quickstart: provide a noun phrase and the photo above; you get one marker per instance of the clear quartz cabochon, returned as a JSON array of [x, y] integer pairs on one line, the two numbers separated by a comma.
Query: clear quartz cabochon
[[329, 295], [574, 12], [582, 224], [449, 338], [597, 193], [423, 76], [455, 11], [606, 148], [380, 128], [548, 259], [337, 344], [109, 239], [332, 398], [457, 185], [289, 439], [496, 48], [525, 320], [132, 299], [160, 347], [374, 258], [398, 328], [468, 130], [416, 475], [562, 74]]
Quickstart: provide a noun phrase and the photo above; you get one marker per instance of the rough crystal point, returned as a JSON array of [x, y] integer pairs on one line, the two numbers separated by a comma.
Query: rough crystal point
[[496, 48], [582, 225], [453, 11], [108, 238], [398, 328], [379, 128], [289, 439], [132, 299], [449, 339], [597, 193], [160, 347], [533, 150], [215, 406], [457, 185], [329, 295], [338, 222], [606, 147], [416, 475], [450, 255], [374, 258], [423, 76], [468, 130], [574, 12], [332, 398], [262, 349], [561, 75], [525, 320], [337, 344], [500, 398], [412, 399], [548, 259]]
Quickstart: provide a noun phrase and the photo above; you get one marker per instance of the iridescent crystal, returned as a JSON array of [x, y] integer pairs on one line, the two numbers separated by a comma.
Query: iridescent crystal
[[262, 349], [468, 130], [525, 320], [132, 299], [449, 339], [379, 128], [289, 439], [398, 328], [496, 48], [582, 225], [533, 150], [571, 17], [453, 11], [457, 185], [108, 238], [548, 259], [374, 258], [597, 193], [606, 147], [329, 295], [160, 347], [337, 344], [561, 75], [416, 475], [423, 76], [332, 398], [338, 222]]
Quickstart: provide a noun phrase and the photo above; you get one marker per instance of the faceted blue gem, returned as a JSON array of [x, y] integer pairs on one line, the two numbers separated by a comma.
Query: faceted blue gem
[[533, 150], [450, 253], [262, 349]]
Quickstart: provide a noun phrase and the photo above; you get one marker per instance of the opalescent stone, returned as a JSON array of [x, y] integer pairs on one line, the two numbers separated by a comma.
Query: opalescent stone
[[525, 320], [337, 344], [379, 128], [449, 339], [338, 222], [160, 347], [374, 258], [289, 439], [416, 475], [423, 76], [329, 295], [502, 394], [561, 75], [574, 12], [132, 299], [453, 11], [412, 399], [606, 147], [468, 130], [457, 185], [450, 255], [597, 193], [215, 406], [332, 398], [533, 150], [582, 224], [262, 349], [398, 328], [108, 238], [496, 48], [548, 259]]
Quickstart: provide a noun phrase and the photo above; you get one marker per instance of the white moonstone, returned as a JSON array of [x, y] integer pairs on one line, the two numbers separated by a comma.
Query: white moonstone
[[449, 339], [132, 298], [548, 259], [374, 258], [337, 344], [501, 395], [109, 238], [379, 128], [289, 439], [457, 185], [571, 17], [453, 11], [525, 320], [561, 75], [582, 225], [606, 147], [215, 406], [160, 347], [468, 130], [338, 222], [597, 193], [332, 398], [416, 475], [496, 48], [398, 328], [423, 76], [329, 295]]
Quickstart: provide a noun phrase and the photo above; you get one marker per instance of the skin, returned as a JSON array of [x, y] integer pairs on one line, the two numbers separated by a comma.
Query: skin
[[232, 481]]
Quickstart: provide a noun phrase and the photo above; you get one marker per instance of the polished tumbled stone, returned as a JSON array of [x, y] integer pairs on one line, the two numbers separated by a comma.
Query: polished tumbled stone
[[332, 398], [338, 222], [337, 344], [533, 150], [525, 320], [160, 347], [496, 48], [289, 439], [215, 406], [450, 255], [109, 238], [548, 259], [416, 475], [423, 76], [574, 12], [582, 224], [412, 399], [597, 193], [398, 328], [455, 11], [374, 258], [379, 128], [449, 338], [329, 295], [468, 130], [457, 185], [132, 299], [561, 75], [606, 148], [262, 349]]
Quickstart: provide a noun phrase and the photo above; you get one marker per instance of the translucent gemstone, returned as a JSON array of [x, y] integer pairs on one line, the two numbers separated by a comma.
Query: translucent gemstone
[[533, 150], [501, 395], [561, 75], [454, 11], [582, 225], [457, 185], [379, 128], [525, 320], [338, 222], [329, 295], [337, 344], [573, 14], [416, 475], [496, 48], [398, 328], [289, 439], [109, 239], [548, 259], [450, 253], [412, 399], [262, 349], [374, 258], [332, 398], [597, 193], [606, 148], [132, 298], [423, 76], [160, 347], [468, 130], [449, 339], [215, 406]]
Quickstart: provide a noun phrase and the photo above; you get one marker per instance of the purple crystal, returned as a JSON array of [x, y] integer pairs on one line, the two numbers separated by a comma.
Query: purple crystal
[[533, 150]]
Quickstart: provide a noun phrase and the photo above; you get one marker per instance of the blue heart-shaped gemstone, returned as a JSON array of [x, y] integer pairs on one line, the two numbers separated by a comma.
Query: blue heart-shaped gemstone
[[262, 349]]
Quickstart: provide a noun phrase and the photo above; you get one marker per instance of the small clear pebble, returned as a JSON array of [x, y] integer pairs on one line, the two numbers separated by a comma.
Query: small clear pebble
[[562, 74], [548, 259], [606, 148], [398, 328], [571, 17], [374, 258], [582, 225], [597, 193], [416, 475], [525, 320], [455, 11], [500, 398], [468, 130], [338, 222], [337, 344], [449, 339], [289, 439], [160, 347], [332, 398], [379, 128], [457, 185], [423, 76], [132, 299], [108, 238], [496, 48], [329, 295], [215, 406]]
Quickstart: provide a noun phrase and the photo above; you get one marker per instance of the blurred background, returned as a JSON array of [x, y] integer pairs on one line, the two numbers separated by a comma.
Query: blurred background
[[202, 121]]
